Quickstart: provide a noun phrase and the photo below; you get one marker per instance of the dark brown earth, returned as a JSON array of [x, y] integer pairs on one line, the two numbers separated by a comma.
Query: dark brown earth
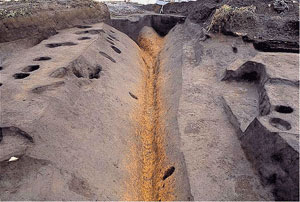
[[41, 19], [266, 25]]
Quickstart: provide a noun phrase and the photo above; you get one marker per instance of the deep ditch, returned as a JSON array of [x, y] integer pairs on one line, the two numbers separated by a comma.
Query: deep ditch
[[156, 176], [149, 124]]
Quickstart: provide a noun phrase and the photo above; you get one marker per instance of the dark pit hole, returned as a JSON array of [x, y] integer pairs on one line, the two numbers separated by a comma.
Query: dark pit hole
[[110, 39], [42, 58], [82, 32], [31, 68], [96, 73], [234, 49], [272, 179], [111, 36], [280, 124], [69, 44], [250, 76], [112, 43], [1, 68], [163, 24], [77, 73], [207, 36], [84, 38], [21, 75], [1, 84], [133, 96], [116, 49], [55, 45], [169, 172], [96, 31], [91, 31], [107, 56], [83, 26], [284, 109], [277, 157]]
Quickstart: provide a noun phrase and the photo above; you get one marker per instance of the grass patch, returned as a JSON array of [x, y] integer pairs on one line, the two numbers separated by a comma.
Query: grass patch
[[226, 13]]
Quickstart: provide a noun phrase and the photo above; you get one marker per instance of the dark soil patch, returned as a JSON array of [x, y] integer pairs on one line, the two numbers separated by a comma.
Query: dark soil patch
[[55, 45], [250, 76], [280, 124], [169, 172], [277, 46], [84, 38], [111, 36], [133, 96], [284, 109], [21, 75], [112, 43], [91, 31], [116, 49], [96, 73], [42, 58], [107, 56], [83, 26], [31, 68]]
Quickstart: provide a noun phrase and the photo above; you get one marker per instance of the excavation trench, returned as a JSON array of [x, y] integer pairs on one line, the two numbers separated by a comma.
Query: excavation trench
[[149, 127], [152, 173]]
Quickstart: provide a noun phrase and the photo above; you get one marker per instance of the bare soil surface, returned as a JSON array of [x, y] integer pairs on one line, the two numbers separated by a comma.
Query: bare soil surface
[[41, 19], [200, 103]]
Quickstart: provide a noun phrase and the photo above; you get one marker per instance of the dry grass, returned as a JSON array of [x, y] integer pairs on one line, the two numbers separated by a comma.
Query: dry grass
[[226, 12]]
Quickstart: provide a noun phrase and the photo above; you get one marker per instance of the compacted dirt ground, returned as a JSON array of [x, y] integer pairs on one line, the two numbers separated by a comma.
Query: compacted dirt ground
[[102, 103]]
